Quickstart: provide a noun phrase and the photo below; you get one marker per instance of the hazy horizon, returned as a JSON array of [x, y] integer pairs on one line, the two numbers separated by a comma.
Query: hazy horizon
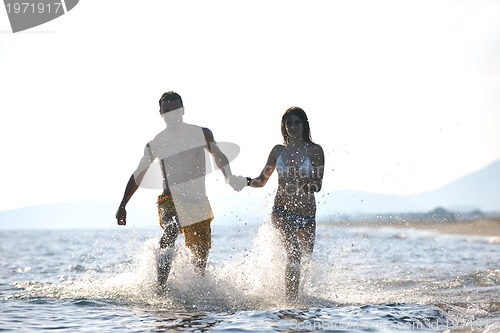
[[254, 206]]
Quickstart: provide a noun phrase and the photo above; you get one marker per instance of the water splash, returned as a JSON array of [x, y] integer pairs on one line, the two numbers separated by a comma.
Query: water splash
[[351, 270]]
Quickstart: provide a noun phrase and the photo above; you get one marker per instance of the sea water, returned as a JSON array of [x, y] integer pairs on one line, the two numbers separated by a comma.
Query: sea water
[[359, 279]]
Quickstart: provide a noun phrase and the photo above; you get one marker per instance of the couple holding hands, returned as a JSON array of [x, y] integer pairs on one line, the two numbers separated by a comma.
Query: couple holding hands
[[183, 207]]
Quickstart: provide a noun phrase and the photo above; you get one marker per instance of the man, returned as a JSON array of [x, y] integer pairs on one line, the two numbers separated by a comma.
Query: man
[[183, 207]]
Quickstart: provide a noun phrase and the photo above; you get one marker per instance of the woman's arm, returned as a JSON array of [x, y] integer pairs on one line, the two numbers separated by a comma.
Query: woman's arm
[[268, 170], [318, 162], [314, 181]]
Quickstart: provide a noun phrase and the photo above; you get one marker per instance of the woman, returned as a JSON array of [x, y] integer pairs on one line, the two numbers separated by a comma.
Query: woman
[[299, 164]]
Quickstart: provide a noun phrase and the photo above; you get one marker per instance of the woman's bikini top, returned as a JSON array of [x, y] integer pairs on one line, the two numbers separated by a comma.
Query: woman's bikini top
[[305, 169]]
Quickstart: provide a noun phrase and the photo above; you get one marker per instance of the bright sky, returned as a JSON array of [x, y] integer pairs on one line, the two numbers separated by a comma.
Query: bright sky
[[402, 95]]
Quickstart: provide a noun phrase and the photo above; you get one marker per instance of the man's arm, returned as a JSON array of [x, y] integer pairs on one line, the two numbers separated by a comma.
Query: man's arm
[[133, 184], [121, 214], [220, 159]]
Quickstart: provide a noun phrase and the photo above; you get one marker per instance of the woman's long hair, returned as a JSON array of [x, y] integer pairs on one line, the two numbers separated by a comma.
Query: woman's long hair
[[301, 114]]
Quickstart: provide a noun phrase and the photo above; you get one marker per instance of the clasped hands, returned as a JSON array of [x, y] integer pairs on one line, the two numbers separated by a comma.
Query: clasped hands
[[238, 182]]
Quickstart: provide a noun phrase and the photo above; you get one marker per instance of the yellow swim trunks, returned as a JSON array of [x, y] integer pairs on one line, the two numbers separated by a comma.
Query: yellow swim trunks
[[197, 236], [166, 209]]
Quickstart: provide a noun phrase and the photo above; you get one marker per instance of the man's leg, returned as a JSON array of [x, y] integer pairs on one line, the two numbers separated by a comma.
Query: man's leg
[[167, 244], [198, 239]]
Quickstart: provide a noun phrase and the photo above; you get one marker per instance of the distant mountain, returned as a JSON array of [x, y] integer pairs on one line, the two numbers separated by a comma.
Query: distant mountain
[[479, 190]]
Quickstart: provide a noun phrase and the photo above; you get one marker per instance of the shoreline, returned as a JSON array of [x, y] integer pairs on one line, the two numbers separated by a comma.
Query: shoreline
[[489, 227]]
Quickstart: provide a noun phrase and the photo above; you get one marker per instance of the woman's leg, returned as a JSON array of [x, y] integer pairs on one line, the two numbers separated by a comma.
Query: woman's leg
[[292, 270], [292, 248], [306, 237]]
